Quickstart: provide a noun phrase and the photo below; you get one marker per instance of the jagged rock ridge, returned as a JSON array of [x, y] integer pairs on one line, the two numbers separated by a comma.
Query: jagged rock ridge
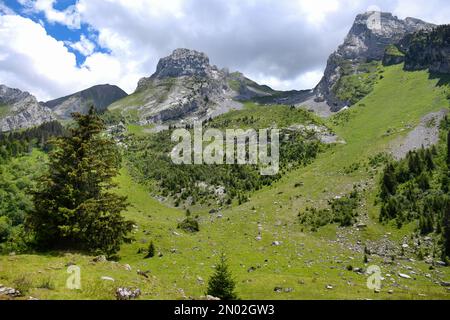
[[370, 35], [21, 110], [186, 87]]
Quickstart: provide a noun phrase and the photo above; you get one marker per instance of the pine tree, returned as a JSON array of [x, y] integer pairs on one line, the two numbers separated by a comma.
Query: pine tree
[[151, 251], [446, 227], [221, 284], [389, 182], [74, 205], [448, 149]]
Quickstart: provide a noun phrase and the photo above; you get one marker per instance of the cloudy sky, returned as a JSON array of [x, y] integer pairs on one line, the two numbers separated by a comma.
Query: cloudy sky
[[56, 47]]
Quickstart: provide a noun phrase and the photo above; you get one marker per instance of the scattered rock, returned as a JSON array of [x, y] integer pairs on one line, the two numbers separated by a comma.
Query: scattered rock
[[445, 283], [200, 280], [108, 279], [99, 259], [276, 243], [211, 298], [11, 292], [404, 276], [127, 293], [278, 289], [329, 287], [127, 267], [143, 273]]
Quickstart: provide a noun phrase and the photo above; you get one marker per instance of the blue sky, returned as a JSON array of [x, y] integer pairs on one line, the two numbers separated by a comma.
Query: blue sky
[[52, 48], [57, 30]]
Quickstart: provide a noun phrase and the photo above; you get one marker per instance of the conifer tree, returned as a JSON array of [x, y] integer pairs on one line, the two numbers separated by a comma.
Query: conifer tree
[[389, 182], [75, 207], [221, 284], [446, 229], [448, 148]]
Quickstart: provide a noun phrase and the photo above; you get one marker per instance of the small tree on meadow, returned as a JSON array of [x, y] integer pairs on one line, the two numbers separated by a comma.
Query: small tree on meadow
[[221, 284]]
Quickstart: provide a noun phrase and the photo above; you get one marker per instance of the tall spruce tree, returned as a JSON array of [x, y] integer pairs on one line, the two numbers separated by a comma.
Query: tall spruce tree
[[221, 284], [388, 182], [448, 149], [75, 207], [446, 230]]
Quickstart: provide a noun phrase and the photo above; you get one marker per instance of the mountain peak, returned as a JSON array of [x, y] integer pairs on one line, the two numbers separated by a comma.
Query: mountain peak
[[371, 33], [11, 95], [183, 62], [100, 96], [21, 110]]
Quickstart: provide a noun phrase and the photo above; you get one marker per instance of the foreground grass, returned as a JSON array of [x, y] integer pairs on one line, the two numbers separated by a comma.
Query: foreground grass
[[305, 262]]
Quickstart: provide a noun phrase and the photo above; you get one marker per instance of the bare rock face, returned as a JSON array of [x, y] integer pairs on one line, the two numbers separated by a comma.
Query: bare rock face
[[185, 87], [100, 97], [182, 63], [370, 35], [21, 110]]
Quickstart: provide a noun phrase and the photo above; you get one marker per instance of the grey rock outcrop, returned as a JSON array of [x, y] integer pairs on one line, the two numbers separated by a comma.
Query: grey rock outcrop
[[185, 87], [367, 40], [21, 110], [100, 97]]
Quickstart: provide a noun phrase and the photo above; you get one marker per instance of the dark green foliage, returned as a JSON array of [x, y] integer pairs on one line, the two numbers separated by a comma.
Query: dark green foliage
[[13, 144], [75, 207], [149, 160], [446, 231], [388, 182], [356, 81], [341, 210], [448, 149], [221, 284], [426, 49], [17, 179], [189, 225], [151, 251], [421, 190]]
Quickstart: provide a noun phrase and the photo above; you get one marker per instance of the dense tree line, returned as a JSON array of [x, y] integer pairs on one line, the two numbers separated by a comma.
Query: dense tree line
[[16, 143], [417, 189], [150, 162]]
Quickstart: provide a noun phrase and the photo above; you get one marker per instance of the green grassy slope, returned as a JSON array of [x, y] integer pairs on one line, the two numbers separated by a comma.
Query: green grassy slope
[[306, 262]]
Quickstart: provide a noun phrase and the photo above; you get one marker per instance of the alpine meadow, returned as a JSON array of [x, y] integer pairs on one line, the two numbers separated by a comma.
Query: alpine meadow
[[195, 182]]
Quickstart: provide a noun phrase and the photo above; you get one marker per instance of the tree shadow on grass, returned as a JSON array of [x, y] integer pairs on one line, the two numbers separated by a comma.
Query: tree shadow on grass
[[444, 79]]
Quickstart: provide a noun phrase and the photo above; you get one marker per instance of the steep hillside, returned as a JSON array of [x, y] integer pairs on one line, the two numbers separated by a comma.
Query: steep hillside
[[366, 41], [21, 110], [100, 97], [271, 254]]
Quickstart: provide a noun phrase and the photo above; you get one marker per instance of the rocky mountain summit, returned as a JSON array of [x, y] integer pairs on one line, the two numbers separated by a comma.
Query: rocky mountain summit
[[370, 35], [100, 96], [21, 110], [186, 87]]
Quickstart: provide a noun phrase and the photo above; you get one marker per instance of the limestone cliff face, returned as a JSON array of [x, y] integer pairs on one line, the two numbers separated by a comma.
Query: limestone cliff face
[[21, 110], [186, 87], [100, 97], [367, 40]]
